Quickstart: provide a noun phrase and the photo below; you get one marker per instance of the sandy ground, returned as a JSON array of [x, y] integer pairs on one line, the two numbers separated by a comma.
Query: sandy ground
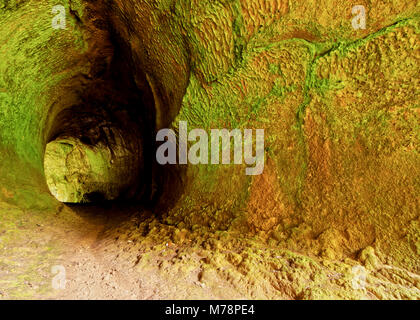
[[108, 253]]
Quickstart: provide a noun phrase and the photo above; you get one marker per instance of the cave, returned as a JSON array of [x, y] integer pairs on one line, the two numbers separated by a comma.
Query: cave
[[330, 211]]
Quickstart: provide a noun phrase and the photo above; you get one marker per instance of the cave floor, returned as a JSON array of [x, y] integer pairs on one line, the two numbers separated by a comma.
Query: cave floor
[[115, 253]]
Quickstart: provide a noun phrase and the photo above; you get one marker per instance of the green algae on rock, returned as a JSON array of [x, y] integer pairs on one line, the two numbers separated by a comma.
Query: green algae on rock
[[79, 173], [339, 107]]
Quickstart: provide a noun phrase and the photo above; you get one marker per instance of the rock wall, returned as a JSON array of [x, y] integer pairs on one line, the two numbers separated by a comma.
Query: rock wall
[[339, 107]]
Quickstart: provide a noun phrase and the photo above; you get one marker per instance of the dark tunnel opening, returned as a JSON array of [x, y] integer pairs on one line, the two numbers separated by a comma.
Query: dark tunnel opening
[[102, 148]]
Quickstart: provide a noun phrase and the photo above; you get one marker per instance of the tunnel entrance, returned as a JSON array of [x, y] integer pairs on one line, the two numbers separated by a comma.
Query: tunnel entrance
[[102, 147], [101, 150], [80, 173]]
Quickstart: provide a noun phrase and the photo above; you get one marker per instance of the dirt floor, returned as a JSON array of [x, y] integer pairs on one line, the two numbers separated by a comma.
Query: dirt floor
[[126, 253]]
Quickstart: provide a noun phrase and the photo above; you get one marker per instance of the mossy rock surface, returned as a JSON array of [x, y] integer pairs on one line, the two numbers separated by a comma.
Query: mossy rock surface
[[339, 108]]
